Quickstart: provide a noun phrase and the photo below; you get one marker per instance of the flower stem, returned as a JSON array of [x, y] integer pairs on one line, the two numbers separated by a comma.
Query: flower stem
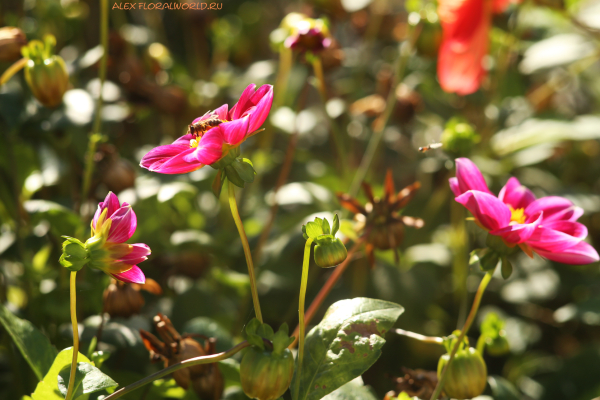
[[13, 69], [405, 51], [476, 301], [303, 285], [75, 336], [419, 337], [335, 131], [95, 135], [324, 292], [247, 253], [182, 364]]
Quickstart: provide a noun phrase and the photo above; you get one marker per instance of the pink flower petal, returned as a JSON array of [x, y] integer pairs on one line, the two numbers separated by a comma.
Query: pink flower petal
[[138, 252], [124, 222], [179, 164], [222, 112], [571, 228], [111, 202], [235, 131], [133, 275], [551, 206], [156, 157], [518, 233], [581, 253], [568, 214], [469, 177], [454, 186], [243, 103], [263, 98], [210, 148], [486, 208], [548, 239], [515, 194], [184, 140]]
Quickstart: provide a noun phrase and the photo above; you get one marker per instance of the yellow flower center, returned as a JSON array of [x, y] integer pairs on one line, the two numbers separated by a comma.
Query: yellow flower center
[[194, 143], [517, 216]]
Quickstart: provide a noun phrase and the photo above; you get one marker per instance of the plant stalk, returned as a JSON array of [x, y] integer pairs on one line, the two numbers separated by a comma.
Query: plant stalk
[[95, 135], [182, 364], [305, 266], [419, 337], [324, 292], [476, 301], [247, 253], [13, 69], [75, 335], [382, 121]]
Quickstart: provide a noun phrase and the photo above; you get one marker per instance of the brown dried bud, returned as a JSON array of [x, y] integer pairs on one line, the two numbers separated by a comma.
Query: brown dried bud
[[371, 106], [124, 300], [11, 41], [206, 379]]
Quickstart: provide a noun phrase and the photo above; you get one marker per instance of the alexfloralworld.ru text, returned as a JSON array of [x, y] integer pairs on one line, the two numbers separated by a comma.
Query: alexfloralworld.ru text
[[167, 6]]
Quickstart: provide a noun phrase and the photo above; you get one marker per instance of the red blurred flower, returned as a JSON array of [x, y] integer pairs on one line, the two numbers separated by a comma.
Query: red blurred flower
[[466, 26]]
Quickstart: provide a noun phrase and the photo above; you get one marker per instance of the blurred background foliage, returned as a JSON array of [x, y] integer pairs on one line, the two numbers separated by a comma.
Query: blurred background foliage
[[536, 117]]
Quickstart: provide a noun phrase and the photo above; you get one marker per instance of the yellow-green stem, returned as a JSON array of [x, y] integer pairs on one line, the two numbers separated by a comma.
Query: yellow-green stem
[[13, 69], [247, 253], [75, 336], [182, 364], [476, 301], [303, 285], [419, 337], [95, 135], [286, 59], [335, 131]]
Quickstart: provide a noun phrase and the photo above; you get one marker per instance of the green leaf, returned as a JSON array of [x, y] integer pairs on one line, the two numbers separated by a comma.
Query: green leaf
[[344, 345], [353, 390], [33, 344], [88, 379], [233, 176], [48, 388], [314, 228], [506, 268], [326, 227], [336, 225], [244, 170]]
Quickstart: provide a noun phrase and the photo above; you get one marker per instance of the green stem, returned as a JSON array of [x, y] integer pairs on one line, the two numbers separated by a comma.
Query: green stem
[[419, 337], [286, 59], [75, 336], [476, 301], [182, 364], [303, 285], [13, 69], [335, 131], [381, 123], [247, 253], [95, 135]]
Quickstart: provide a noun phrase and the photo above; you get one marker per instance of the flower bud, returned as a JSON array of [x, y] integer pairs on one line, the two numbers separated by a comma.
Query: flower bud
[[330, 252], [467, 374], [459, 137], [74, 255], [11, 41], [266, 375], [45, 73]]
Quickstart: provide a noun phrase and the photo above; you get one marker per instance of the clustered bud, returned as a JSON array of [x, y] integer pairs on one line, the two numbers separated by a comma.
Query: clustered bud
[[266, 373], [329, 250], [303, 34], [45, 73]]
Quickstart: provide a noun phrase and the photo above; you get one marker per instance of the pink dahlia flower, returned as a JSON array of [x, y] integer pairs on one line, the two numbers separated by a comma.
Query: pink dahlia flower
[[227, 130], [112, 226], [546, 226]]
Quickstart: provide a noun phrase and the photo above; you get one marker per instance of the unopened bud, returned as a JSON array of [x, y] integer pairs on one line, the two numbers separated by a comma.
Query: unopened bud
[[74, 255], [467, 374], [45, 73], [459, 137], [330, 252], [11, 41]]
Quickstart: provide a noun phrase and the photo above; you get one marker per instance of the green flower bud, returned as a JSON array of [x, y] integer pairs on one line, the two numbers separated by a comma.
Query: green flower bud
[[493, 335], [74, 255], [45, 73], [330, 252], [459, 137], [265, 375], [467, 374], [497, 346]]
